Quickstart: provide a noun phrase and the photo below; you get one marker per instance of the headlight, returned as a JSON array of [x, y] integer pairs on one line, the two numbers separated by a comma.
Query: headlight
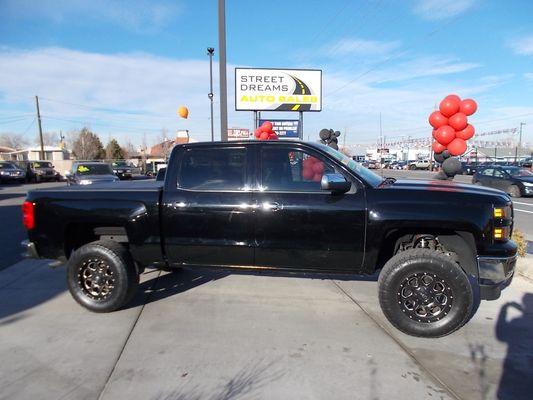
[[4, 173], [39, 172], [528, 184], [85, 182], [115, 171]]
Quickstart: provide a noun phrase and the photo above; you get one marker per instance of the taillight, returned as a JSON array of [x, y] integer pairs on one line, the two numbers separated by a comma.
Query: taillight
[[28, 215]]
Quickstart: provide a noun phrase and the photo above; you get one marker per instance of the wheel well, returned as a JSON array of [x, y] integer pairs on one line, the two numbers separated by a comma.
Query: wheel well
[[76, 235], [459, 244]]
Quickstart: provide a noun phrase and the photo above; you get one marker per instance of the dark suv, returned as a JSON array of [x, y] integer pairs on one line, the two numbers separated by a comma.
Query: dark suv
[[39, 171]]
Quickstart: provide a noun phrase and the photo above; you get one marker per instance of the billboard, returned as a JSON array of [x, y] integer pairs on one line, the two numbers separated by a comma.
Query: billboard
[[284, 128], [269, 89], [238, 134]]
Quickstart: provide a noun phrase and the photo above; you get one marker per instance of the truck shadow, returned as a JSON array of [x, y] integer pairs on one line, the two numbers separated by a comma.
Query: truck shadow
[[517, 379], [167, 284]]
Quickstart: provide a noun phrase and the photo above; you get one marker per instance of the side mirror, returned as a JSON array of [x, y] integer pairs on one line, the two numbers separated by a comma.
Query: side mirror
[[335, 183], [67, 174]]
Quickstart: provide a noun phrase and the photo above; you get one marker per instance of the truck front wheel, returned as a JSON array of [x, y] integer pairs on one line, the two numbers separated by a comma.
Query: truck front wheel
[[101, 276], [425, 293]]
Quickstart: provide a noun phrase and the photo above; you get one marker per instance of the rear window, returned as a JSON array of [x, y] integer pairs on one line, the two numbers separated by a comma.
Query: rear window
[[213, 169], [93, 169]]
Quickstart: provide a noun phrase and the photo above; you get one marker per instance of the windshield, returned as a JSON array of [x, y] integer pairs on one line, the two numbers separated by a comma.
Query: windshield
[[120, 164], [94, 169], [42, 165], [365, 174], [7, 166], [515, 171]]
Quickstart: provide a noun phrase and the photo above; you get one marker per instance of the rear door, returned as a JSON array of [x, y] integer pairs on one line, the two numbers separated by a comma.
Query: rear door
[[298, 225], [501, 179], [485, 176], [206, 208]]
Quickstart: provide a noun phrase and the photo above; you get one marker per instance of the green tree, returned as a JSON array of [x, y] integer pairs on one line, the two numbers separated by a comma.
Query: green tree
[[113, 151], [87, 146]]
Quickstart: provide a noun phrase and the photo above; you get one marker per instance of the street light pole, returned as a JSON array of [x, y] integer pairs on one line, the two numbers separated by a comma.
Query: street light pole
[[222, 70], [210, 53], [519, 141]]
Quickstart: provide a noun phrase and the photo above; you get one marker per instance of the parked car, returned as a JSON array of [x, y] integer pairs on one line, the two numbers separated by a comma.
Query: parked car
[[161, 174], [122, 169], [243, 204], [516, 181], [87, 173], [9, 172], [469, 168], [40, 171], [420, 164], [153, 167]]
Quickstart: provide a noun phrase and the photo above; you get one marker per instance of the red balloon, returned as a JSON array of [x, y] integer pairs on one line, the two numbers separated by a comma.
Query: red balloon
[[445, 134], [307, 173], [308, 162], [317, 177], [458, 121], [257, 133], [466, 133], [468, 107], [264, 136], [436, 119], [438, 148], [273, 136], [318, 167], [433, 133], [267, 126], [450, 105], [457, 147]]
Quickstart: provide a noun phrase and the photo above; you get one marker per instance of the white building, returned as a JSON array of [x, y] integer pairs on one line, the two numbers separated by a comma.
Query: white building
[[51, 153]]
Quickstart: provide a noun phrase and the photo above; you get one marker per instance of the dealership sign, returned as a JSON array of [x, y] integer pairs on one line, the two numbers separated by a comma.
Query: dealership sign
[[263, 89], [284, 128], [238, 134]]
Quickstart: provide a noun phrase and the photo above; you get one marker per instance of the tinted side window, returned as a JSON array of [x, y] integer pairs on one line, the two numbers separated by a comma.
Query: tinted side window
[[498, 173], [287, 169], [487, 172], [221, 168]]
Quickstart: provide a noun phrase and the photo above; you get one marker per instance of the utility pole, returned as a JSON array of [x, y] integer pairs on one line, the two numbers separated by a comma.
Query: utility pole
[[41, 156], [222, 70], [210, 53], [519, 141]]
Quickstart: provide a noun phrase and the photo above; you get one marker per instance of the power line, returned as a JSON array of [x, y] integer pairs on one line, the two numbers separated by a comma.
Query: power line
[[392, 57]]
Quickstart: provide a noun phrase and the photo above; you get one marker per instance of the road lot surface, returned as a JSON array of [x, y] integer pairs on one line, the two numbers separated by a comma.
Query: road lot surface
[[200, 334]]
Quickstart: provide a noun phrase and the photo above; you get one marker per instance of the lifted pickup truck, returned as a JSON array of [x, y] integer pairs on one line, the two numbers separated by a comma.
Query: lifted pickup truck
[[284, 205]]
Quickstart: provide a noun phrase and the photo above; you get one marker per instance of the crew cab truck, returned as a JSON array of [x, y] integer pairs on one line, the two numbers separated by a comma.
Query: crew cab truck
[[283, 205]]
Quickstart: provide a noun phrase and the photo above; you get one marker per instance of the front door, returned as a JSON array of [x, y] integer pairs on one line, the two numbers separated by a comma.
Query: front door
[[207, 212], [300, 226]]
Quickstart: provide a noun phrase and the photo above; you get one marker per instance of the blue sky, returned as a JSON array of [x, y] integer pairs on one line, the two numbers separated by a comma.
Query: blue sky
[[123, 67]]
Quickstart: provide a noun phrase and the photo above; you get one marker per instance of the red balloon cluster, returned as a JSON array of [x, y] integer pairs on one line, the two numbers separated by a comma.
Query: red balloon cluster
[[450, 123], [312, 169], [265, 132]]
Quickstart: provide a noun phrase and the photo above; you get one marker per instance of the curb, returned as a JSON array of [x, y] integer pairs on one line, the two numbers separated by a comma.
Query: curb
[[524, 266]]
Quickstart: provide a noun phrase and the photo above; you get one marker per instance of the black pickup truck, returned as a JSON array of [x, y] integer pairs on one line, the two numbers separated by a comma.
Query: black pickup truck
[[283, 205]]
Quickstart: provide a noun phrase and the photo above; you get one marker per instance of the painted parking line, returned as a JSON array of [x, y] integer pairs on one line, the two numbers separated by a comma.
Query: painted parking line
[[524, 204], [525, 211]]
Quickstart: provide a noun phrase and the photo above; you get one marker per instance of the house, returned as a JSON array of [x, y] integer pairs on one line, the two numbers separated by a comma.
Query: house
[[51, 153]]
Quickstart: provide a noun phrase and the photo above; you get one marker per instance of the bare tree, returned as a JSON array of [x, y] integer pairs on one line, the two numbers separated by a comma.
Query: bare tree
[[87, 146], [14, 140], [49, 139]]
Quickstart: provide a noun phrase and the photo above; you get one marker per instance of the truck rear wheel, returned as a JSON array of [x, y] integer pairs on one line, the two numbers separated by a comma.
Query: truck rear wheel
[[425, 293], [101, 276]]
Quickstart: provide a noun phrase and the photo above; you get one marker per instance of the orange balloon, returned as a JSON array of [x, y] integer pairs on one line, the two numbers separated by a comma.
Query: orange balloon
[[183, 112]]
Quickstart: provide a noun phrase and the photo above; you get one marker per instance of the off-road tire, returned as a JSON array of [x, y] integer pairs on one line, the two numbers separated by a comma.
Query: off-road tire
[[445, 272], [120, 266]]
